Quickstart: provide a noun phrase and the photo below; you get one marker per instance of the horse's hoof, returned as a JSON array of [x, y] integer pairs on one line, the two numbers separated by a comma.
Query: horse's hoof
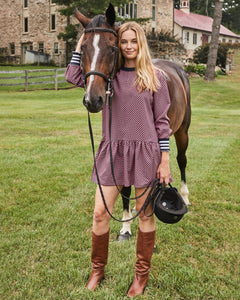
[[123, 236]]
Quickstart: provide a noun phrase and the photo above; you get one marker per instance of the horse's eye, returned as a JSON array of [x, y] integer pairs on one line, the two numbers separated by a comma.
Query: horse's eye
[[112, 50]]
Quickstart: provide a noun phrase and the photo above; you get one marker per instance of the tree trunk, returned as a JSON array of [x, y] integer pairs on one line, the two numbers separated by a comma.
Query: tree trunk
[[213, 49]]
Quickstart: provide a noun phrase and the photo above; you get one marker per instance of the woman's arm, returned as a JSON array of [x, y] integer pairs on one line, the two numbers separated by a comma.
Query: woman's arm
[[74, 72], [162, 124]]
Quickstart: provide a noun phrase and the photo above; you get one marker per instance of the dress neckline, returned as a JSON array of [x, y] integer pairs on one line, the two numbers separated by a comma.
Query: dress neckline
[[128, 69]]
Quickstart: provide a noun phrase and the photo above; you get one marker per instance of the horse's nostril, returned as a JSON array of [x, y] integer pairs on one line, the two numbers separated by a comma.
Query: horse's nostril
[[100, 101]]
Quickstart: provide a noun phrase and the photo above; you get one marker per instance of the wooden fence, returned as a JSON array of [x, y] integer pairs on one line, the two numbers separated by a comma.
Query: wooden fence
[[27, 78]]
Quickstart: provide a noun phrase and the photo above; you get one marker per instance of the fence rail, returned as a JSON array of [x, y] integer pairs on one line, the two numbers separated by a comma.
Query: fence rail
[[29, 80]]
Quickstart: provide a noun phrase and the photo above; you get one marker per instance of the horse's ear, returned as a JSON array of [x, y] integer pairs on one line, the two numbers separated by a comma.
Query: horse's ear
[[110, 15], [81, 18]]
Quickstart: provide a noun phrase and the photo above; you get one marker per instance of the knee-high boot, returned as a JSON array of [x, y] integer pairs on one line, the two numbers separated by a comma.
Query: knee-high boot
[[145, 246], [99, 258]]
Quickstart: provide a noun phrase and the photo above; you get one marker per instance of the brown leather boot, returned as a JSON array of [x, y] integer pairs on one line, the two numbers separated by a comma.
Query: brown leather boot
[[99, 259], [145, 246]]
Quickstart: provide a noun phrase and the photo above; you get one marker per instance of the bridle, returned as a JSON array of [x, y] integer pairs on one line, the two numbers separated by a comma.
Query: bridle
[[93, 72], [109, 94]]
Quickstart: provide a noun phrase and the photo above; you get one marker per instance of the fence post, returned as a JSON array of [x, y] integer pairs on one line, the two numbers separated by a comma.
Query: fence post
[[26, 80], [56, 79]]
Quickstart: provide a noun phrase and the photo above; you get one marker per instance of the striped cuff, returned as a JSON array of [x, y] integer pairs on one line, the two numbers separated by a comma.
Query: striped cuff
[[164, 145], [76, 58]]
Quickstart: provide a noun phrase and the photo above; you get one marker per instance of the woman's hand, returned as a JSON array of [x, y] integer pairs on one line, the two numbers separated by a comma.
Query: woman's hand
[[79, 44], [163, 171]]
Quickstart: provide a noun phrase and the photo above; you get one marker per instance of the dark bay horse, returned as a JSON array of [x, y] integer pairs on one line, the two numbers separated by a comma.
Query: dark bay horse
[[98, 56]]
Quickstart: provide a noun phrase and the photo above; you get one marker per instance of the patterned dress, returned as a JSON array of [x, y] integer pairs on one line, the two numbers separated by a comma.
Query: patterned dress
[[140, 129]]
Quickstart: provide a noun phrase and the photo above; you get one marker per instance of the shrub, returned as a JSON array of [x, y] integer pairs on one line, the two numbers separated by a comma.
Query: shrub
[[200, 55], [198, 69]]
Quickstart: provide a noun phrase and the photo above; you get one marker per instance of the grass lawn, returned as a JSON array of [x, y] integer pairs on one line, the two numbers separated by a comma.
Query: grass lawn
[[47, 200]]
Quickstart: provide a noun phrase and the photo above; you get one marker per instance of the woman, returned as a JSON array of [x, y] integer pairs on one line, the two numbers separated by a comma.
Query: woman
[[140, 125]]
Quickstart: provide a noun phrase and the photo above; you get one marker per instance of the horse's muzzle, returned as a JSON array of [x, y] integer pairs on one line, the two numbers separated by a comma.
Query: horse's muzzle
[[93, 105]]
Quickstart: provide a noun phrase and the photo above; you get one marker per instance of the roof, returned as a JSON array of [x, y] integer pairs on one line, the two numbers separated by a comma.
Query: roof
[[199, 22]]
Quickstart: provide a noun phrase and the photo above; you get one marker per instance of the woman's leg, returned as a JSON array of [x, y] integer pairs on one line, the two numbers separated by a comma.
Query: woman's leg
[[100, 234], [101, 217], [145, 246]]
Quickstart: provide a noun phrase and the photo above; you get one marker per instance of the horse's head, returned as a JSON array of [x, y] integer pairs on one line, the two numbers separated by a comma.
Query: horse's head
[[99, 56]]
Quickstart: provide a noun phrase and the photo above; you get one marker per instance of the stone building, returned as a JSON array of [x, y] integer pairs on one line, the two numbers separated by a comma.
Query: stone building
[[33, 26], [29, 28], [159, 12]]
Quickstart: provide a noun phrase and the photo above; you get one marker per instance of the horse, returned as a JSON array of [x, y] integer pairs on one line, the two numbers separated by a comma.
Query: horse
[[99, 49]]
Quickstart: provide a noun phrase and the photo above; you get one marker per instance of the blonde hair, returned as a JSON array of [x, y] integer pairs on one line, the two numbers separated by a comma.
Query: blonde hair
[[146, 78]]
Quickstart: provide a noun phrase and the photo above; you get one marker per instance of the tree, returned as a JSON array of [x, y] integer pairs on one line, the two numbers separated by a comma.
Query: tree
[[212, 55]]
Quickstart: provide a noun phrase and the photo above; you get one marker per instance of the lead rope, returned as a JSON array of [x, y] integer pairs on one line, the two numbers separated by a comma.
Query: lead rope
[[100, 187]]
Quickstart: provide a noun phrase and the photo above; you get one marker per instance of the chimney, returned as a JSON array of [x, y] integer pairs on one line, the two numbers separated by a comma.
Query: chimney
[[185, 6]]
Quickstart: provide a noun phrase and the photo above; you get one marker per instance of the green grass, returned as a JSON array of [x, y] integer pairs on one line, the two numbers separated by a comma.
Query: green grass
[[47, 200]]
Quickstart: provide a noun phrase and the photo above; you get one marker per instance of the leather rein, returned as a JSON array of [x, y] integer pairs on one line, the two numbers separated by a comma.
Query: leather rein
[[109, 94]]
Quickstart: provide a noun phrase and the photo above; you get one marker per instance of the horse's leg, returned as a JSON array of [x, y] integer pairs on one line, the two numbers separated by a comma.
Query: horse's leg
[[181, 137], [125, 232]]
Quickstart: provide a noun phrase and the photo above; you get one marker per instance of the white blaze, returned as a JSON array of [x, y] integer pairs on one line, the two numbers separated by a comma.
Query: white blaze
[[94, 60]]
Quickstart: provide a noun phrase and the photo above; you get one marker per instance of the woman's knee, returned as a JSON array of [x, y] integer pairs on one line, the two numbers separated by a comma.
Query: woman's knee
[[100, 215]]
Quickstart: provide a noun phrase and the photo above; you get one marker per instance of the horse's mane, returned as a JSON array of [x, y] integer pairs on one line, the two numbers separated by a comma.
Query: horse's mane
[[98, 21]]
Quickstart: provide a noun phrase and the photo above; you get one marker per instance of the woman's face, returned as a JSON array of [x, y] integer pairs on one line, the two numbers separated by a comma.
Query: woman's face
[[129, 45]]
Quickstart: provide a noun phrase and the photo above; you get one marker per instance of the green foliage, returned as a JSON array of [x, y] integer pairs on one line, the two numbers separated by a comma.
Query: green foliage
[[90, 8], [196, 68], [201, 54], [163, 36]]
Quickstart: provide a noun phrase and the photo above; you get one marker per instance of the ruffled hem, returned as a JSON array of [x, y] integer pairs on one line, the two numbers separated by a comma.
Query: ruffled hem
[[135, 163]]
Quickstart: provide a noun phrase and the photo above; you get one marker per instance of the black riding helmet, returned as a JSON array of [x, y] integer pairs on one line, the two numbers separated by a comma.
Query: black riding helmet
[[169, 207]]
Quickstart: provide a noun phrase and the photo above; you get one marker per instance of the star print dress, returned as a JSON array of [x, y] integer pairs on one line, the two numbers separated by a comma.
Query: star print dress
[[140, 128]]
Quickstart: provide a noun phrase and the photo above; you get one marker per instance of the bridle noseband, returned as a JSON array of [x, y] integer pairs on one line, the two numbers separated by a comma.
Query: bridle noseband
[[93, 72]]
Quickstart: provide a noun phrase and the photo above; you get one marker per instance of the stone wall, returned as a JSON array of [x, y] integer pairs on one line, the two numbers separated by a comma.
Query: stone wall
[[164, 10], [168, 50]]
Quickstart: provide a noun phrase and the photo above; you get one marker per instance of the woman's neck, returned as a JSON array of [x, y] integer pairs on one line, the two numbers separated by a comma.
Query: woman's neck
[[130, 63]]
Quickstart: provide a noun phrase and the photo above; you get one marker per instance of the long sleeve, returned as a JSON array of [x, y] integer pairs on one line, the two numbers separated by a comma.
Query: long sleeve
[[161, 105], [74, 72]]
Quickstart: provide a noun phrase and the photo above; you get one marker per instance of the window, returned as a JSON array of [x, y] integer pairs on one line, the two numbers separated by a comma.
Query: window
[[25, 3], [53, 22], [40, 47], [153, 2], [153, 13], [194, 39], [53, 1], [25, 24], [131, 10], [230, 41], [12, 48], [135, 11], [56, 48], [186, 37]]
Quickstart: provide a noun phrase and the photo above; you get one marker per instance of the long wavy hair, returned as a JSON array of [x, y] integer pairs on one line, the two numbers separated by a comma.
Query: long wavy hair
[[146, 78]]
